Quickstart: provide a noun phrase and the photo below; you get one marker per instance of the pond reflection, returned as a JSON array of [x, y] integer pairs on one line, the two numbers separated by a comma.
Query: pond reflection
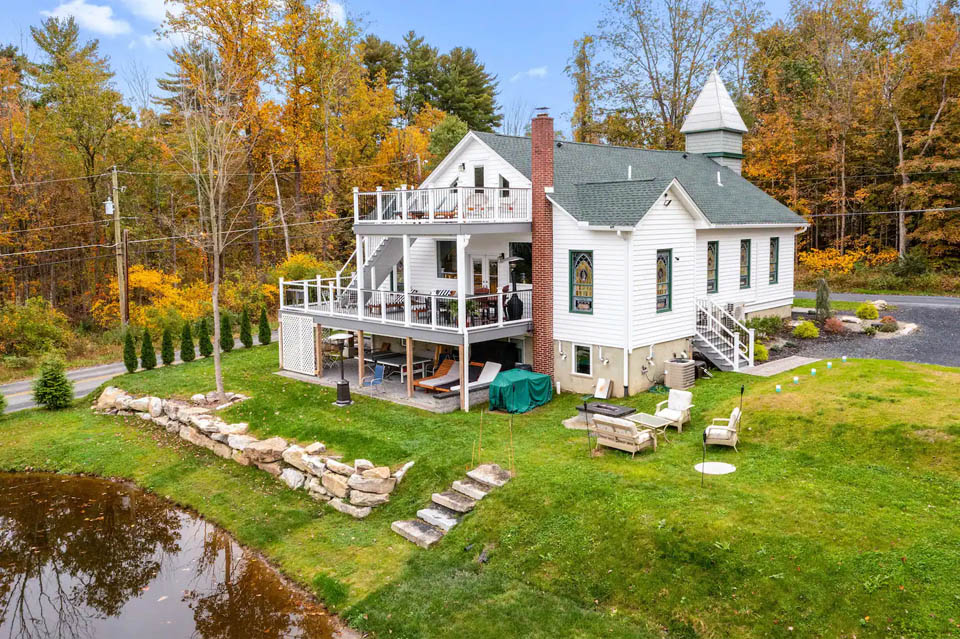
[[83, 557]]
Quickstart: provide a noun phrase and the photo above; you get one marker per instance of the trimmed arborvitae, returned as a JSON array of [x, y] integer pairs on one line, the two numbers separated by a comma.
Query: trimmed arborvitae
[[203, 339], [167, 352], [130, 353], [263, 330], [148, 356], [246, 337], [226, 334], [52, 389], [823, 300], [187, 352]]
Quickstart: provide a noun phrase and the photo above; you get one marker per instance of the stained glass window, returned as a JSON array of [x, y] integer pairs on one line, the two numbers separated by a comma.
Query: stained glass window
[[744, 263], [581, 281], [713, 284], [664, 280], [774, 260]]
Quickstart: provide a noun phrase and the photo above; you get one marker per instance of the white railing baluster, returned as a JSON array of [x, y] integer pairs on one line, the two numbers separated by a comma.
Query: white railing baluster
[[433, 311]]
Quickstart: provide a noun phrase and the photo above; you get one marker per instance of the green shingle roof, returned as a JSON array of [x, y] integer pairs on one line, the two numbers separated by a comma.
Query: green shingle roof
[[590, 183]]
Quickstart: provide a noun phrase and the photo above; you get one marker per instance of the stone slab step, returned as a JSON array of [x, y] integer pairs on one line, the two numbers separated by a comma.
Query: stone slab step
[[471, 488], [454, 501], [417, 531], [490, 474], [439, 516]]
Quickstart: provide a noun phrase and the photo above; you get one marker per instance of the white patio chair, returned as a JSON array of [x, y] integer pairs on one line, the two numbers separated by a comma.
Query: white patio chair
[[723, 431], [676, 408]]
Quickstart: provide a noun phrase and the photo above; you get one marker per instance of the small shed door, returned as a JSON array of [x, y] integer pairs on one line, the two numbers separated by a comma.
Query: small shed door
[[297, 344]]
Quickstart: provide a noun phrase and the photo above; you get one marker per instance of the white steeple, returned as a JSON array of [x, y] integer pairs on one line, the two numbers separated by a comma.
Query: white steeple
[[714, 126]]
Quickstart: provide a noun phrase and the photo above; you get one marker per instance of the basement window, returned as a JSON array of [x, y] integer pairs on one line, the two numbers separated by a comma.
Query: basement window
[[583, 360]]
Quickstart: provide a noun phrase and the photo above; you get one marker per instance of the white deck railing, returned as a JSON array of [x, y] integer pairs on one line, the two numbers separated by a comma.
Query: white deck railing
[[452, 204], [423, 310], [730, 339]]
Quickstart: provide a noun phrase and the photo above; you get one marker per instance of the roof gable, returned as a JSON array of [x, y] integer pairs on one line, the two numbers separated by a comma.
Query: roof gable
[[713, 109], [590, 182]]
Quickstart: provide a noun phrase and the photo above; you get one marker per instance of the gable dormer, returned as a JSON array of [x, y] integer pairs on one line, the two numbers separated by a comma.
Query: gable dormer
[[714, 126]]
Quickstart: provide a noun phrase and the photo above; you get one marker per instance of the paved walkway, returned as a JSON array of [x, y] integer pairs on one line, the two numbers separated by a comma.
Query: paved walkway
[[777, 366], [20, 394], [896, 300]]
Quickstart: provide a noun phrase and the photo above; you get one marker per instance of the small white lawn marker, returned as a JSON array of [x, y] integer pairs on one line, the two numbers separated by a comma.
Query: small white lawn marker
[[829, 365], [778, 388], [844, 359], [796, 380], [813, 372]]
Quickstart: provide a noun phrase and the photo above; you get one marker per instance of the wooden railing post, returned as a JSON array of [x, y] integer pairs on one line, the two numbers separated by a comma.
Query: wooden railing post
[[379, 203], [751, 333], [460, 204], [403, 202], [356, 204], [431, 204]]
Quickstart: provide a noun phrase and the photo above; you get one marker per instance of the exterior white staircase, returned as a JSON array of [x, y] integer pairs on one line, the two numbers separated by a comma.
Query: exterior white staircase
[[722, 338]]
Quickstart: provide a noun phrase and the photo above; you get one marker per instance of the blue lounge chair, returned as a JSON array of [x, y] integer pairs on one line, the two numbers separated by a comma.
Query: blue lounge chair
[[377, 379]]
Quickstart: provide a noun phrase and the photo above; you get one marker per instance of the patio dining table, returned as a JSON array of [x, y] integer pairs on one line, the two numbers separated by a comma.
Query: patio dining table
[[397, 363], [651, 422]]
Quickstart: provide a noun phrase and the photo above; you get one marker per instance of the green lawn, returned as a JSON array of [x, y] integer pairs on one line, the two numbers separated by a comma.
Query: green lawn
[[835, 305], [841, 521]]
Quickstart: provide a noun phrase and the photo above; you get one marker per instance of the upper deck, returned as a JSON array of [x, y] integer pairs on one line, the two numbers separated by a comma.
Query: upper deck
[[438, 210]]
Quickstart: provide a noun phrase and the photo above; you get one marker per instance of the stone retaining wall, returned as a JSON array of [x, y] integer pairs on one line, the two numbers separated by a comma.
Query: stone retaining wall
[[352, 489]]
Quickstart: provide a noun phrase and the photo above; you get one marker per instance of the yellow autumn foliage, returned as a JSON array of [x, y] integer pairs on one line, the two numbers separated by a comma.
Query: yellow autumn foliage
[[830, 260]]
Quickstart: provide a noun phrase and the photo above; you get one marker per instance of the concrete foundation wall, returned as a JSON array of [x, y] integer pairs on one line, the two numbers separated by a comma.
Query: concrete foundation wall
[[640, 381], [778, 311]]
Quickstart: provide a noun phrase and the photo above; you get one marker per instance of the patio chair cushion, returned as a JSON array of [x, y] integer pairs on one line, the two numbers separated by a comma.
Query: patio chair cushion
[[679, 400], [714, 432], [672, 414]]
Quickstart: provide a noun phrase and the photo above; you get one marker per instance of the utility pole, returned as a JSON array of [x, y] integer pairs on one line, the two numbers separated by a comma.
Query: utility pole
[[125, 291], [283, 221], [120, 250]]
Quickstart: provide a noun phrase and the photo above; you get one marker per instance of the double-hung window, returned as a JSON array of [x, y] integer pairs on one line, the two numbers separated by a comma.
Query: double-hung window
[[664, 280], [581, 282], [446, 259], [744, 263]]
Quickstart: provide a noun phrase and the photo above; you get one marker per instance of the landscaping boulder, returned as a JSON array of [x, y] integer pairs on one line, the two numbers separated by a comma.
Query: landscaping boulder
[[362, 464], [239, 428], [315, 447], [240, 458], [335, 484], [161, 420], [145, 417], [315, 487], [292, 478], [371, 485], [190, 434], [141, 404], [155, 406], [360, 498], [240, 442], [294, 456], [108, 398], [380, 472], [353, 511], [274, 468], [403, 471], [199, 398], [267, 451], [314, 464], [171, 409], [338, 467]]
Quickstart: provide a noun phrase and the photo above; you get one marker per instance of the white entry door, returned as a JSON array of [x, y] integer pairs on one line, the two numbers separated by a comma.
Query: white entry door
[[486, 272]]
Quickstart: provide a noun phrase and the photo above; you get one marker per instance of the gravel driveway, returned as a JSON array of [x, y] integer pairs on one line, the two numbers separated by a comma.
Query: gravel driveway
[[937, 341]]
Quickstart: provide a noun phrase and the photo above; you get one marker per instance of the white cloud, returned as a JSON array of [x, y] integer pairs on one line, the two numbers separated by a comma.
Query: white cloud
[[534, 72], [337, 12], [153, 10], [95, 17]]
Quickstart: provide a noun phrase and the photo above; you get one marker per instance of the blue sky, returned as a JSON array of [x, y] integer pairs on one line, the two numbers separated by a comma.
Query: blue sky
[[526, 43]]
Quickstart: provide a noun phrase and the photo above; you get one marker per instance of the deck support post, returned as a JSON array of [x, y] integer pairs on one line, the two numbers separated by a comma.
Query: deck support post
[[406, 281], [409, 341], [360, 283], [462, 241], [360, 358], [464, 378]]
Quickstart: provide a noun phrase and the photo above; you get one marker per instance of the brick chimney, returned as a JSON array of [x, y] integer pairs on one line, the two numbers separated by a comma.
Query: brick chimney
[[542, 145]]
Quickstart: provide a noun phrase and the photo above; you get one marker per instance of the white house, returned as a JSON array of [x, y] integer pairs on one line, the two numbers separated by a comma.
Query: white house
[[584, 261]]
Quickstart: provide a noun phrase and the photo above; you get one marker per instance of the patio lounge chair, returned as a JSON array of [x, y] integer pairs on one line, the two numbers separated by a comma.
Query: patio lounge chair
[[723, 431], [677, 409], [621, 434], [487, 375], [446, 372]]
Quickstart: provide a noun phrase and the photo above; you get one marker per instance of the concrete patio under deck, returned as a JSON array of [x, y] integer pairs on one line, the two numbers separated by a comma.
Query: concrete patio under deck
[[392, 390]]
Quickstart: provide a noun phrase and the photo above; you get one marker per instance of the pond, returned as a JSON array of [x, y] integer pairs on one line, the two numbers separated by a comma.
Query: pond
[[83, 557]]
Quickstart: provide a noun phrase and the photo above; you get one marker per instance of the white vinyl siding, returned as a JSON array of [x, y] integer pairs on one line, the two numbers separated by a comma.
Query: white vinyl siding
[[476, 154], [714, 141], [761, 294], [664, 227], [423, 260], [605, 326]]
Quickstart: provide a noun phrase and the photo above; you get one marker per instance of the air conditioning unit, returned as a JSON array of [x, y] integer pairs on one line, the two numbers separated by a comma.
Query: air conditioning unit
[[738, 311]]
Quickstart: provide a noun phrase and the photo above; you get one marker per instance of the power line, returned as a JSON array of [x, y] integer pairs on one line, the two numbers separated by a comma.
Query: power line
[[328, 170], [60, 226], [907, 212], [70, 261], [53, 250], [255, 228]]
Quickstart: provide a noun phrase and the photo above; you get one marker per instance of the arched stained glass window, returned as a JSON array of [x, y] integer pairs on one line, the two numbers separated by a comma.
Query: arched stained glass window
[[664, 280], [581, 281], [713, 284]]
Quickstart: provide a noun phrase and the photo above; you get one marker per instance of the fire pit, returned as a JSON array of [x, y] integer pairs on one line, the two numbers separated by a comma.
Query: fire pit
[[610, 410]]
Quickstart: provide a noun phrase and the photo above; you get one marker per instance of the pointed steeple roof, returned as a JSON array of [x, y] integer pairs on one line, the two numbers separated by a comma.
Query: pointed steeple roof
[[714, 109]]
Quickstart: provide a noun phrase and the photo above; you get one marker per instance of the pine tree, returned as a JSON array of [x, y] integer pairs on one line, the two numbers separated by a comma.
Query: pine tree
[[130, 353], [823, 300], [263, 330], [187, 351], [226, 334], [465, 89], [246, 337], [167, 352], [52, 389], [203, 339], [148, 356]]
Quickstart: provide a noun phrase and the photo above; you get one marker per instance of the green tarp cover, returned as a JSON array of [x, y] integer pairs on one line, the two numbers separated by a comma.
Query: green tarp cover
[[517, 391]]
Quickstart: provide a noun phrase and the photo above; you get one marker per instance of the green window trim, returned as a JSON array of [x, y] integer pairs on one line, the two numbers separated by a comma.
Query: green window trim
[[745, 261], [667, 295], [582, 303], [715, 271], [774, 260]]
